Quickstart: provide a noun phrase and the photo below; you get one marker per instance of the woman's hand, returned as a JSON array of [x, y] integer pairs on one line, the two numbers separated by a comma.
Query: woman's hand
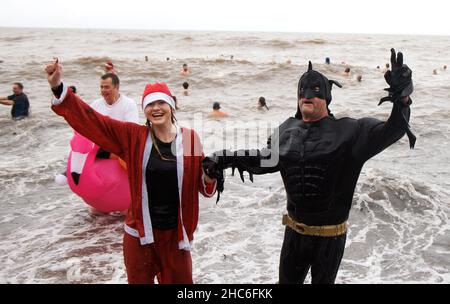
[[53, 72]]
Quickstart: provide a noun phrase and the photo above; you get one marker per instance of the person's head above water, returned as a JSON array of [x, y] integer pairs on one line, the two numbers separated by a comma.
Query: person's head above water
[[262, 103], [185, 67], [347, 70], [314, 95], [327, 60], [185, 85], [216, 106]]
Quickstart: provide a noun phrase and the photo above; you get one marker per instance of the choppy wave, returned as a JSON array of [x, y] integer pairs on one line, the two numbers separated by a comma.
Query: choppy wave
[[313, 41], [130, 40], [188, 39], [15, 38], [393, 222], [277, 43], [286, 44], [90, 60]]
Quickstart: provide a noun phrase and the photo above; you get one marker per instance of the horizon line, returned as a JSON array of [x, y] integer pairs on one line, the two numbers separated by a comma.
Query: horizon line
[[219, 30]]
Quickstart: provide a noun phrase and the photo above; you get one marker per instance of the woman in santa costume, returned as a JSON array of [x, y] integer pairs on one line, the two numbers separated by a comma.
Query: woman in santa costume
[[165, 176]]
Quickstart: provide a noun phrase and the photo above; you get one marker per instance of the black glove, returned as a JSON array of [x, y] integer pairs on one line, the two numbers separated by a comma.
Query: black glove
[[211, 168], [400, 86], [399, 79], [215, 164], [225, 159]]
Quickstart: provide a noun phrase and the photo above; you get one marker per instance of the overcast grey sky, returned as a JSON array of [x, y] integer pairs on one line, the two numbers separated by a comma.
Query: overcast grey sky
[[345, 16]]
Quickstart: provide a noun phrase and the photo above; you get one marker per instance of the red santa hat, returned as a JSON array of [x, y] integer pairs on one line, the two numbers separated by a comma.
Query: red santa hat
[[109, 64], [157, 91]]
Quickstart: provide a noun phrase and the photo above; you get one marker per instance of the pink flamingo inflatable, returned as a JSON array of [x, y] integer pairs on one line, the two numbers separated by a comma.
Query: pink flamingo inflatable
[[101, 183]]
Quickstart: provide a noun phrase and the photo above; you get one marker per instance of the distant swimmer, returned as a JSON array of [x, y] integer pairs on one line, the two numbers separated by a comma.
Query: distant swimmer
[[327, 60], [262, 105], [288, 61], [185, 88], [185, 71], [445, 68], [435, 72], [146, 58], [232, 57], [167, 58], [359, 78], [19, 102], [109, 67], [216, 112], [346, 72]]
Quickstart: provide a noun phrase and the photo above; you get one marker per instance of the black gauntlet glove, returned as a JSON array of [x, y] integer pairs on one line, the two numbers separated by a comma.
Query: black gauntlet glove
[[215, 164], [399, 79], [400, 86]]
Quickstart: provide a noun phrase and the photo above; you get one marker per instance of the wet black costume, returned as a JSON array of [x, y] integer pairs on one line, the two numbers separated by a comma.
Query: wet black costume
[[320, 163]]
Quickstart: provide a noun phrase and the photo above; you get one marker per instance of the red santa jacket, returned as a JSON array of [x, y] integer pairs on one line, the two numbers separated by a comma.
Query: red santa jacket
[[133, 143]]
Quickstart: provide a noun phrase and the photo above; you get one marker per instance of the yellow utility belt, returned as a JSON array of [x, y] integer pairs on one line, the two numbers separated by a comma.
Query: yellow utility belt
[[326, 231]]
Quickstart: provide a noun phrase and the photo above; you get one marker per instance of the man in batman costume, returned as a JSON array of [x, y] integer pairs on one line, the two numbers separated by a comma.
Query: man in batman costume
[[320, 159]]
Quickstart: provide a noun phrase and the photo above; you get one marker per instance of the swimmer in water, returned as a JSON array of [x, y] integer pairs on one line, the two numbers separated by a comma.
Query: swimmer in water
[[216, 112], [262, 105], [185, 88], [346, 72], [185, 71]]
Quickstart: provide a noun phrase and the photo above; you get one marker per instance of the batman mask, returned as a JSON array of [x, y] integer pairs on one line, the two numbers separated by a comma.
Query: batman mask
[[314, 84]]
